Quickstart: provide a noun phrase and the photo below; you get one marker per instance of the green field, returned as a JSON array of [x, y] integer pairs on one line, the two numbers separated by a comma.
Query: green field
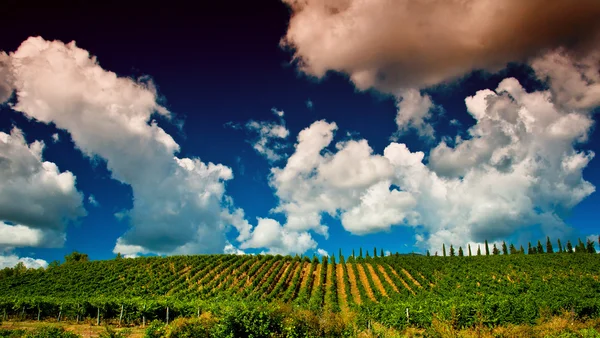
[[397, 291]]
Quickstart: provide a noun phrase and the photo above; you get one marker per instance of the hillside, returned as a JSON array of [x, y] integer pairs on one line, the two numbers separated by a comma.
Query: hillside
[[488, 289]]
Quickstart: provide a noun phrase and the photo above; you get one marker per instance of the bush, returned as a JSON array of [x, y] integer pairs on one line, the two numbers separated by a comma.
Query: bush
[[6, 333], [190, 328], [156, 329], [50, 332]]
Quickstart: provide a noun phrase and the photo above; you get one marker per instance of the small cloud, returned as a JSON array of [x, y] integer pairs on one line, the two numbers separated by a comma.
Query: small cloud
[[232, 250], [309, 104], [277, 112], [232, 125], [455, 122], [322, 252], [92, 200], [55, 137], [387, 253]]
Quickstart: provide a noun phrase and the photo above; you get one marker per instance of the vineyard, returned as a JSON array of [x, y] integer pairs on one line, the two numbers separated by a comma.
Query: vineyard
[[395, 291]]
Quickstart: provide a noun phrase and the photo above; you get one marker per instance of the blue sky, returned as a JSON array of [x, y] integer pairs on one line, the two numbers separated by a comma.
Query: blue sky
[[516, 165]]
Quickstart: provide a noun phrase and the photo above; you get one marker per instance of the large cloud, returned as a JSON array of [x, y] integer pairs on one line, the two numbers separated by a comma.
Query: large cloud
[[398, 44], [519, 167], [9, 261], [179, 204], [36, 199]]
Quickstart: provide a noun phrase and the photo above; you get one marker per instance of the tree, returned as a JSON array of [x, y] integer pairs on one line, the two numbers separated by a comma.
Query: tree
[[560, 248], [569, 247], [549, 248], [504, 248], [20, 268], [340, 253], [360, 252], [353, 255], [119, 256], [590, 246], [76, 257], [460, 252], [479, 250], [444, 249], [470, 250], [580, 248], [513, 250], [522, 250], [487, 248], [381, 253], [495, 251], [452, 253], [530, 249], [540, 248], [54, 264], [428, 254], [375, 252]]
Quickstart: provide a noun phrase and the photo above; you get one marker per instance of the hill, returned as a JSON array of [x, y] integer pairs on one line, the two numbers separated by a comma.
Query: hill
[[474, 290]]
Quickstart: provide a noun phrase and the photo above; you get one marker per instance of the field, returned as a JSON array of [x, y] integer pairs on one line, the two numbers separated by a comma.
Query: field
[[397, 292]]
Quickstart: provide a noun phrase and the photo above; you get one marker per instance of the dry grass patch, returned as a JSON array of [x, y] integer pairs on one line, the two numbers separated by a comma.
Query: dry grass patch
[[376, 280]]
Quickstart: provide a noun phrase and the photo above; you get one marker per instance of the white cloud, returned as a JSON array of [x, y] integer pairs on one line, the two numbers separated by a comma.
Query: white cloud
[[230, 249], [55, 137], [178, 202], [266, 143], [268, 233], [36, 199], [6, 86], [414, 111], [10, 261], [92, 200], [322, 252]]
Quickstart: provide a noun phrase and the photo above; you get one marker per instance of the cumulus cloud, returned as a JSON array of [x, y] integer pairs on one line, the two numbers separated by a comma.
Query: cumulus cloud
[[9, 261], [92, 201], [519, 166], [391, 45], [322, 252], [414, 111], [269, 233], [36, 199], [6, 86], [178, 203], [55, 137]]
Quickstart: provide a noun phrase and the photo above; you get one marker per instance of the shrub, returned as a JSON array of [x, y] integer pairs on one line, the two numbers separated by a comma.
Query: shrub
[[156, 329]]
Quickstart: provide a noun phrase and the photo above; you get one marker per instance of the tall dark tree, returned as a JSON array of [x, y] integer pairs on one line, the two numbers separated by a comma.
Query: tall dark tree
[[530, 249], [487, 248], [353, 255], [580, 247], [560, 247], [540, 248], [495, 250], [452, 253], [513, 250], [460, 252], [340, 253], [428, 254], [360, 252], [381, 253], [590, 246], [522, 250], [375, 252], [569, 247], [367, 254], [504, 248], [478, 250], [444, 249], [549, 248], [470, 250]]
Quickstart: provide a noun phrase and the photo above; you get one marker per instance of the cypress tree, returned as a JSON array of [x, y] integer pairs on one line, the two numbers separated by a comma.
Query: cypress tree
[[340, 253], [560, 248], [428, 254], [460, 252], [540, 248], [530, 250], [590, 246], [580, 247], [367, 255], [569, 247], [470, 250], [479, 250], [549, 248], [504, 248], [495, 251], [360, 252], [375, 252], [452, 253], [444, 249], [522, 251], [382, 254], [599, 241], [487, 248], [513, 250]]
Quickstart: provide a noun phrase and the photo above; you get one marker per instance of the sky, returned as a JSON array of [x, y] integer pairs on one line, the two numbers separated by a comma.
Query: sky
[[295, 126]]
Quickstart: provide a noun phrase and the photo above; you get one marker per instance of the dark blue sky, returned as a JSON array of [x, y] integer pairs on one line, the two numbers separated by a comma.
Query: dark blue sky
[[221, 63]]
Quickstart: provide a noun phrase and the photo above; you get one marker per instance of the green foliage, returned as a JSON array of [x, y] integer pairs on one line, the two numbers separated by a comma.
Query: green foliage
[[76, 257], [156, 329]]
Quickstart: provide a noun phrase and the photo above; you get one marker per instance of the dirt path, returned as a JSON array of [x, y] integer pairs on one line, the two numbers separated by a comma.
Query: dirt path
[[353, 287], [387, 278], [295, 266], [411, 278], [280, 274], [341, 288], [365, 282], [316, 278], [402, 280], [376, 280], [265, 264], [304, 275]]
